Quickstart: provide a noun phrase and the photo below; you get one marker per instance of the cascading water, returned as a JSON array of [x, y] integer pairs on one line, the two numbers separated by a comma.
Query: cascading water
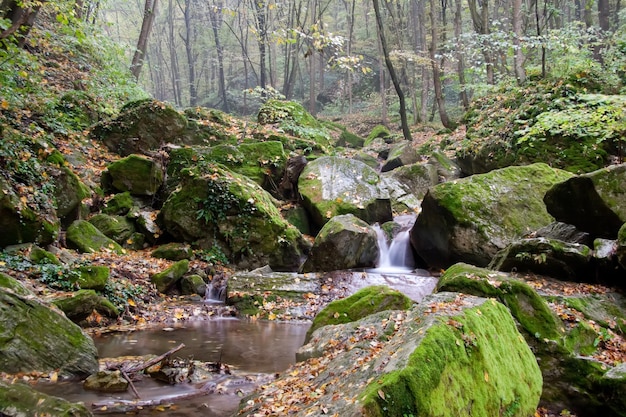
[[395, 256], [215, 293]]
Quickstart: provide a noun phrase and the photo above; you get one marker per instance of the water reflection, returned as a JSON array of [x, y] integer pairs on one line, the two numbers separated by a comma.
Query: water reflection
[[250, 347]]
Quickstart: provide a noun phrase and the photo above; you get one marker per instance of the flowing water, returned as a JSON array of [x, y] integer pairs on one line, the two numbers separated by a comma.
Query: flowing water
[[397, 255]]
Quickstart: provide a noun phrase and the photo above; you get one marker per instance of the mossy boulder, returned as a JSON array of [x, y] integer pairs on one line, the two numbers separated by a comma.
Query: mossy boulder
[[79, 305], [620, 249], [85, 237], [595, 202], [120, 204], [471, 219], [22, 224], [528, 308], [378, 132], [106, 381], [18, 399], [93, 277], [141, 126], [42, 256], [293, 119], [407, 185], [332, 186], [118, 228], [217, 208], [69, 192], [192, 284], [167, 279], [263, 162], [344, 242], [10, 283], [451, 355], [34, 337], [362, 303], [400, 155], [173, 251], [555, 258], [136, 174], [607, 310]]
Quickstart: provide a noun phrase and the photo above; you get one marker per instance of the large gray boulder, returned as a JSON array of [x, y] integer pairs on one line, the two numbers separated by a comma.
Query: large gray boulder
[[471, 219], [594, 202], [34, 337], [407, 185], [226, 212], [451, 355], [332, 186], [345, 242]]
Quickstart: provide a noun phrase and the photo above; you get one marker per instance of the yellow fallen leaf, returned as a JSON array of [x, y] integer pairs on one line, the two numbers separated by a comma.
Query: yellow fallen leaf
[[4, 104], [381, 394], [486, 377], [271, 316]]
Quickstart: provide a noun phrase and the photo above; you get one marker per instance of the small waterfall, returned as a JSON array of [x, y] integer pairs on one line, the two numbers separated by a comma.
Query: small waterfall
[[395, 256], [215, 293]]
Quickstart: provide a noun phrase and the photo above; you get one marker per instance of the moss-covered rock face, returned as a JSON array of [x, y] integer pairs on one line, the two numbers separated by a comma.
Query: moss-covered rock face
[[69, 192], [118, 228], [332, 186], [85, 237], [471, 219], [193, 284], [528, 308], [620, 250], [221, 210], [20, 223], [400, 155], [555, 258], [344, 242], [79, 305], [93, 277], [167, 279], [377, 132], [139, 175], [451, 355], [594, 202], [362, 303], [262, 162], [33, 337], [140, 127], [407, 186], [17, 399], [120, 204], [295, 120], [173, 251], [554, 122]]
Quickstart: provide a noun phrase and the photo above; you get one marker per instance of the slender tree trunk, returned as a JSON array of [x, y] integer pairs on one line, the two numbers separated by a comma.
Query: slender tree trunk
[[215, 16], [175, 71], [460, 66], [261, 20], [382, 86], [439, 98], [22, 20], [518, 54], [142, 43], [188, 41], [392, 73]]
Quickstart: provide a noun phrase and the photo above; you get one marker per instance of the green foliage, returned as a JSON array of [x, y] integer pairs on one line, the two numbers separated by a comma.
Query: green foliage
[[214, 255], [119, 292], [62, 277]]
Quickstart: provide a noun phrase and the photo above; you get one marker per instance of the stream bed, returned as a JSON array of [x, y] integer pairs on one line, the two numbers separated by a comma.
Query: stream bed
[[255, 350]]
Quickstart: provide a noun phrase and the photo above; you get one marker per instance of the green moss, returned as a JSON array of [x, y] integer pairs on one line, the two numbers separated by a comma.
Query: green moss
[[23, 400], [350, 139], [39, 256], [93, 277], [173, 251], [364, 302], [379, 131], [88, 239], [114, 227], [462, 367], [119, 204], [169, 277], [528, 308], [136, 174]]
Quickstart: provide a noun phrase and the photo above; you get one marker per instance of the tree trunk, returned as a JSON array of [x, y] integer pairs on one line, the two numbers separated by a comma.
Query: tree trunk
[[439, 98], [262, 41], [22, 20], [518, 54], [174, 71], [480, 19], [392, 73], [142, 43], [460, 67], [188, 41], [215, 16]]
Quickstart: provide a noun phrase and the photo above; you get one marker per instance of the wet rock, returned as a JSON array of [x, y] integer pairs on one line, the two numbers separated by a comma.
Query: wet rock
[[407, 186], [564, 232], [363, 303], [332, 186], [17, 399], [471, 219], [595, 203], [69, 192], [400, 155], [168, 278], [193, 284], [34, 337], [345, 242], [555, 258], [106, 381]]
